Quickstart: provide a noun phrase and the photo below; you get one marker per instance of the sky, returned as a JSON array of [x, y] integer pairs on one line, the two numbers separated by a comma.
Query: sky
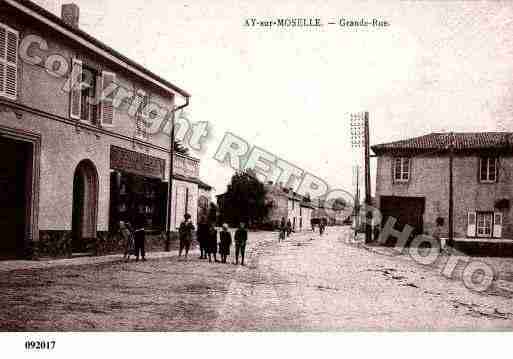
[[439, 66]]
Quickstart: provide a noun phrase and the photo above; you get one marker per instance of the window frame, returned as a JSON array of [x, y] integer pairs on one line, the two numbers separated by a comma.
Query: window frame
[[482, 214], [488, 165], [402, 160], [83, 98]]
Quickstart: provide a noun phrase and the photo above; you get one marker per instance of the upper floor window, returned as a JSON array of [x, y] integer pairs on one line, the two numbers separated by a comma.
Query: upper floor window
[[401, 169], [8, 62], [488, 169], [89, 109], [92, 95]]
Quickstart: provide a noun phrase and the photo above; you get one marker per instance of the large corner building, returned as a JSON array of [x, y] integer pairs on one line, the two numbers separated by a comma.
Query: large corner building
[[74, 161]]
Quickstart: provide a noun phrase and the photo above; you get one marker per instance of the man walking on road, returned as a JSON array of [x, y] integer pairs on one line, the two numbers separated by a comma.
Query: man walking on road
[[322, 226], [283, 229], [185, 233], [289, 228], [241, 237]]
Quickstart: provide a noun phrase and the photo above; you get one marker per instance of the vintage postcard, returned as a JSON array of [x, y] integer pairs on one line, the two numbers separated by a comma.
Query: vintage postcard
[[237, 166]]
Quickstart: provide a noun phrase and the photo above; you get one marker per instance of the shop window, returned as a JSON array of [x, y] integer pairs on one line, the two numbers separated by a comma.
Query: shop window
[[133, 196]]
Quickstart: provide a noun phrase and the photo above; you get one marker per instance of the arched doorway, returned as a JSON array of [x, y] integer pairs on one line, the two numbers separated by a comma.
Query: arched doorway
[[85, 205]]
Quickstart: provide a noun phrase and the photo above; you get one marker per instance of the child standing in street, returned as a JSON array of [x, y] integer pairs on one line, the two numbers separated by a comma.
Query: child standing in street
[[225, 241], [128, 238], [140, 238], [185, 233], [241, 237], [212, 243]]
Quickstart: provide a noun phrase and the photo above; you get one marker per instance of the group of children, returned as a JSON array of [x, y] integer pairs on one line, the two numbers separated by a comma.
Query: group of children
[[206, 237]]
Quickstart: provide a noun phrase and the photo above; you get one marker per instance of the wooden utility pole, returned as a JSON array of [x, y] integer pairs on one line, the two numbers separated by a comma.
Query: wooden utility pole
[[356, 210], [368, 227], [450, 240], [170, 189]]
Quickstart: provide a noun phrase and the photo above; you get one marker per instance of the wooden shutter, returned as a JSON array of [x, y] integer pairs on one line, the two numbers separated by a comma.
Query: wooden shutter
[[3, 43], [8, 62], [497, 224], [107, 101], [471, 226], [76, 89]]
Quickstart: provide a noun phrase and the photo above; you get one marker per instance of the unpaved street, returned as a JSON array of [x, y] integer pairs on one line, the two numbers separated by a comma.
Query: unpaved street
[[304, 283]]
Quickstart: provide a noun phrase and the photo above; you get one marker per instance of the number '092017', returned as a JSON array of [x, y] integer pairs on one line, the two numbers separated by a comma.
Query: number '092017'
[[39, 345]]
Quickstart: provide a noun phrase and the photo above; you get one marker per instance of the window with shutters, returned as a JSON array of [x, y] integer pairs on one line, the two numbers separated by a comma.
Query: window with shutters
[[8, 62], [108, 87], [89, 107], [488, 169], [401, 167], [141, 124], [484, 224]]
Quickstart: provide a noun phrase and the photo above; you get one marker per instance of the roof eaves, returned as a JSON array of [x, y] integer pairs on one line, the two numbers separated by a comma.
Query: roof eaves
[[65, 29]]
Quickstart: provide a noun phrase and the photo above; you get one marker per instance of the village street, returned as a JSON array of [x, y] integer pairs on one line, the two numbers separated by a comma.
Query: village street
[[305, 283]]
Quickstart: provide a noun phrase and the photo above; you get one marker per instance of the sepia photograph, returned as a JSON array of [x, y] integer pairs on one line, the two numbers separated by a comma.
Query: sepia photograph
[[255, 171]]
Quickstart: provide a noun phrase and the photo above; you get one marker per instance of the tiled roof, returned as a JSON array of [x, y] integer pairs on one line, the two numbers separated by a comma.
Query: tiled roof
[[442, 141], [55, 19]]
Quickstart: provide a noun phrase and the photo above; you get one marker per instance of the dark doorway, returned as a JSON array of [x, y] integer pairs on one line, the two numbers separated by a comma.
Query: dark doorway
[[15, 196], [406, 210], [85, 206]]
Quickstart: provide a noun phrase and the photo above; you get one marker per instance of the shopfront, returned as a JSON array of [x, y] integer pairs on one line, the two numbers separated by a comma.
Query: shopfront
[[137, 188]]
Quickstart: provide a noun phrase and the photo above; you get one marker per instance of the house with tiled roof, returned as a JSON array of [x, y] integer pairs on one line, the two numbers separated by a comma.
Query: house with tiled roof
[[85, 138], [412, 183]]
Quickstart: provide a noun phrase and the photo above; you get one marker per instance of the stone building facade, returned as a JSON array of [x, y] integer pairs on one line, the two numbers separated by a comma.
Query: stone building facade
[[284, 203], [412, 183], [80, 158]]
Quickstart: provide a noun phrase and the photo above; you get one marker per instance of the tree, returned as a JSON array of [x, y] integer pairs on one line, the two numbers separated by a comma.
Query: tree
[[245, 199]]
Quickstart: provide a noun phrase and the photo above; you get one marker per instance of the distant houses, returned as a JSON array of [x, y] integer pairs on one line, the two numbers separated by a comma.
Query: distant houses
[[283, 202], [412, 183]]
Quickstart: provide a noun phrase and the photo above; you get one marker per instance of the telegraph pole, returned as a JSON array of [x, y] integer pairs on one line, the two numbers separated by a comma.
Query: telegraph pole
[[368, 227], [450, 240], [356, 209], [170, 189]]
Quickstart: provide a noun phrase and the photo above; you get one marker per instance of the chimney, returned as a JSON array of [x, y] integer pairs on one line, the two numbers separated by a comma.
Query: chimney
[[70, 14]]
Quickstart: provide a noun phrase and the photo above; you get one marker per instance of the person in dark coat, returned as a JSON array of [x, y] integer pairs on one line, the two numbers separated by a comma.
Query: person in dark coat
[[185, 233], [212, 243], [283, 229], [289, 227], [241, 237], [140, 237], [225, 242], [203, 236]]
